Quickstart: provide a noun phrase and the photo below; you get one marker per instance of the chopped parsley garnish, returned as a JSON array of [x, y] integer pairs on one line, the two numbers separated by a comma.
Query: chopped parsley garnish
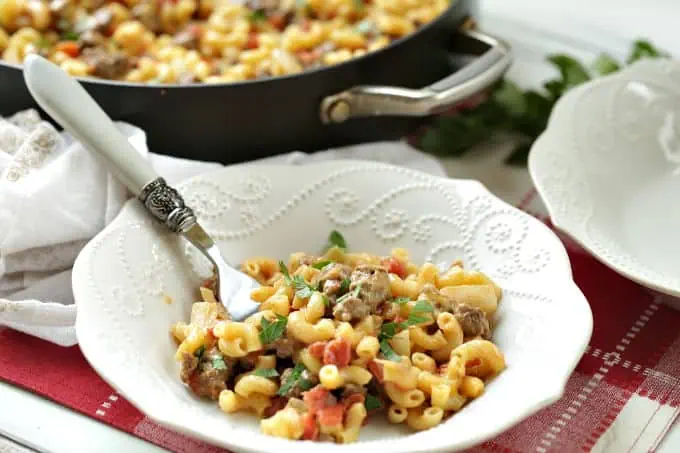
[[390, 329], [271, 331], [266, 372], [326, 302], [294, 378], [199, 352], [354, 293], [70, 35], [302, 289], [335, 239], [372, 402], [344, 285], [321, 264], [258, 16], [219, 364], [401, 300], [388, 352]]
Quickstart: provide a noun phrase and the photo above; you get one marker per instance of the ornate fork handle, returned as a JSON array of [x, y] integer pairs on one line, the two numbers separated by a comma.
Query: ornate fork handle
[[167, 206]]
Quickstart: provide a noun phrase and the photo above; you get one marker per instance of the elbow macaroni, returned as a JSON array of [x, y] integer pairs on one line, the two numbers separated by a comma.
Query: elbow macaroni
[[425, 365]]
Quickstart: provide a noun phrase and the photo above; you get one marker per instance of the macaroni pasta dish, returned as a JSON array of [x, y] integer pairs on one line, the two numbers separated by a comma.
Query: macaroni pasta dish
[[341, 336], [211, 41]]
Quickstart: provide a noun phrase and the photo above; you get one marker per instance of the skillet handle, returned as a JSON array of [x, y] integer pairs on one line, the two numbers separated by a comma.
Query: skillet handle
[[368, 100]]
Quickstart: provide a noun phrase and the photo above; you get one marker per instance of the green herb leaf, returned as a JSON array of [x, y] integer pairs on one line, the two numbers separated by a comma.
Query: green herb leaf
[[573, 73], [344, 285], [266, 372], [389, 330], [293, 378], [258, 16], [199, 352], [388, 352], [644, 49], [372, 402], [321, 264], [326, 302], [335, 239], [70, 35], [284, 271], [302, 289], [271, 331], [354, 293], [219, 364], [605, 64], [306, 384], [422, 306], [401, 300], [414, 319]]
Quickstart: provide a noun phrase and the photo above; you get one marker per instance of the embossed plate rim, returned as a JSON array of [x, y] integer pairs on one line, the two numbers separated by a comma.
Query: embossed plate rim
[[164, 410], [552, 144]]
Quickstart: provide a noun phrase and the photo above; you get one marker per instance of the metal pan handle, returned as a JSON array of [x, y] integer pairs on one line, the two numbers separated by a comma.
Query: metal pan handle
[[367, 100]]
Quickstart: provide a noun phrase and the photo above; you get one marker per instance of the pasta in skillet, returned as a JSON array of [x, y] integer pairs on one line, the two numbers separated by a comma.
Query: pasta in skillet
[[341, 336]]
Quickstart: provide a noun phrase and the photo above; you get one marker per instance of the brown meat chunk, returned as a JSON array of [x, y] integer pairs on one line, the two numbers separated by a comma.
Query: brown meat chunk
[[369, 287], [91, 38], [307, 380], [283, 346], [207, 376], [106, 65], [473, 321], [331, 278]]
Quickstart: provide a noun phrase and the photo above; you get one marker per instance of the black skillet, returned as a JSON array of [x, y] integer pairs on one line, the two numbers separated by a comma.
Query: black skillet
[[312, 110]]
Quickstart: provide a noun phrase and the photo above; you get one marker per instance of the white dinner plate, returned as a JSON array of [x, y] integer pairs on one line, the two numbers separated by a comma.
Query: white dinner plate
[[123, 276], [608, 169]]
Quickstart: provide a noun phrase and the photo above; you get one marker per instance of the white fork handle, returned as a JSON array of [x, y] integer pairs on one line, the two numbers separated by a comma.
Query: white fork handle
[[65, 100]]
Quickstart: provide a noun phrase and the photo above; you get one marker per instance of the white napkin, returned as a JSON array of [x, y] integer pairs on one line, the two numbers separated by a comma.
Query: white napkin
[[55, 196]]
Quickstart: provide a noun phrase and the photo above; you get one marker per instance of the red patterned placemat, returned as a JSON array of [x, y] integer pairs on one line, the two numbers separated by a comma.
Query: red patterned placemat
[[632, 364]]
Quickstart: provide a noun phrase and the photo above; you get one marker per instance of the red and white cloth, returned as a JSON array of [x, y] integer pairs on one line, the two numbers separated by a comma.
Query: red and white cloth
[[623, 397]]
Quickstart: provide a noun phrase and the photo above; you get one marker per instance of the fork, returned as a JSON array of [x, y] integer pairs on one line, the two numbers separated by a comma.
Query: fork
[[67, 102]]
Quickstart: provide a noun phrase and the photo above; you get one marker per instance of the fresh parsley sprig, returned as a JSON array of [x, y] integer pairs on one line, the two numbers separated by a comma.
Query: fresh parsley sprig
[[509, 110], [390, 329], [372, 402], [335, 239], [295, 377], [302, 289], [266, 372], [272, 331]]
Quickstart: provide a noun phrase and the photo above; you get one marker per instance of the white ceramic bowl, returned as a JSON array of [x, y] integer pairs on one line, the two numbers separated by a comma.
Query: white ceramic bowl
[[120, 280], [608, 169]]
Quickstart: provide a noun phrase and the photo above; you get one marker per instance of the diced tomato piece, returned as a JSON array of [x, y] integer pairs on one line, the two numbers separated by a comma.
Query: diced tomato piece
[[253, 43], [376, 370], [316, 349], [278, 403], [331, 416], [277, 21], [353, 398], [338, 352], [395, 266], [70, 48], [311, 429], [318, 398]]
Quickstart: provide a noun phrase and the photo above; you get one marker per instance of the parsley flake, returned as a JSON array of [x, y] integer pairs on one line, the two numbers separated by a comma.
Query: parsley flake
[[266, 372], [271, 331], [372, 402], [354, 293], [422, 306], [321, 264], [344, 285], [326, 302], [219, 364], [388, 352], [199, 352], [302, 289], [401, 300], [70, 35], [295, 376], [258, 16], [335, 239]]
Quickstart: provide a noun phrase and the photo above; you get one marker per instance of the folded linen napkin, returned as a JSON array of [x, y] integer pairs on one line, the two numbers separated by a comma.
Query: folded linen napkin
[[55, 196]]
